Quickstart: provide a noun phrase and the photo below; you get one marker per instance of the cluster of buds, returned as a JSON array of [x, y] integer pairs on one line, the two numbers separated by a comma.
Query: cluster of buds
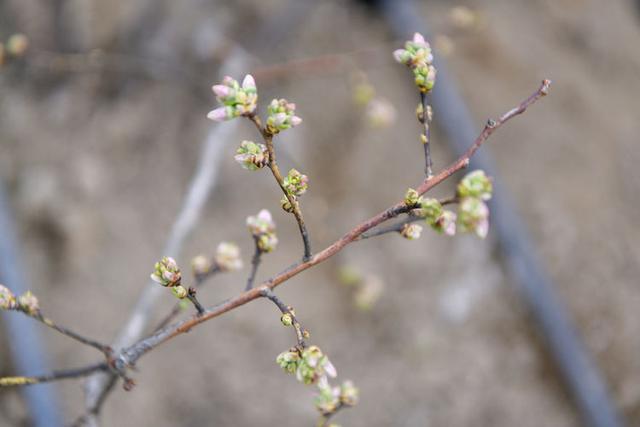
[[252, 156], [236, 100], [441, 220], [473, 214], [281, 116], [263, 229], [201, 265], [418, 57], [27, 302], [329, 398], [167, 273], [309, 365], [227, 257], [296, 183], [15, 47]]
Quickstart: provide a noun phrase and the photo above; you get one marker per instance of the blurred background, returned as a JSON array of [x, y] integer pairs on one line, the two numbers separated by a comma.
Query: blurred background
[[102, 122]]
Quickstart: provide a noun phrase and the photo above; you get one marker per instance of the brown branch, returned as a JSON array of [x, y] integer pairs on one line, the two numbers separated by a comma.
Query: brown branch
[[255, 263], [134, 352]]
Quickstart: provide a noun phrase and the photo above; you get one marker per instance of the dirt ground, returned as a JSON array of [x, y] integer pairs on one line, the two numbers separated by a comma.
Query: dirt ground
[[97, 156]]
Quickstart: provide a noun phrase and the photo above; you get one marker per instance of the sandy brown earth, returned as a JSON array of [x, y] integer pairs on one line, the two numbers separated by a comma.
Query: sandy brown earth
[[97, 161]]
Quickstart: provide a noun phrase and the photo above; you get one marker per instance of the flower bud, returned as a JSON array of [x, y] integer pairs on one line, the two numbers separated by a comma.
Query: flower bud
[[235, 100], [200, 265], [28, 303], [7, 299], [281, 116], [267, 242], [473, 216], [17, 45], [261, 223], [166, 272], [286, 205], [228, 257], [328, 398], [430, 210], [411, 231], [179, 291], [295, 183], [287, 319], [417, 55], [349, 394], [252, 156], [446, 223], [412, 198], [314, 365], [289, 361], [475, 184], [380, 113]]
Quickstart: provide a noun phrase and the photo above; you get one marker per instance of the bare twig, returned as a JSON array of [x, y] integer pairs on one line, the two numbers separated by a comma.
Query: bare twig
[[65, 331], [425, 119], [255, 263], [54, 376], [301, 333]]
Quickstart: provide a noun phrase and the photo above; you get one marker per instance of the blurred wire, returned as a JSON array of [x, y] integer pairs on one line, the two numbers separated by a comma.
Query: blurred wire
[[578, 370], [26, 347]]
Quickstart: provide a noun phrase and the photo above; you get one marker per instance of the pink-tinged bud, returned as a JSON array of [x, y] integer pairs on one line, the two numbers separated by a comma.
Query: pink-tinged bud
[[295, 121], [400, 55], [228, 81], [218, 115], [221, 91], [248, 82], [419, 39]]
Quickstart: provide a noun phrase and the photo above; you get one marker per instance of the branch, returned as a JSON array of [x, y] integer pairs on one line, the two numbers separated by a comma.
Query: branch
[[105, 349], [301, 333], [54, 376], [255, 263], [134, 352], [425, 118]]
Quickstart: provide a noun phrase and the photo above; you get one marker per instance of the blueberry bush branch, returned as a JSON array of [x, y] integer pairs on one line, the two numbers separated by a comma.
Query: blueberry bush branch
[[309, 363]]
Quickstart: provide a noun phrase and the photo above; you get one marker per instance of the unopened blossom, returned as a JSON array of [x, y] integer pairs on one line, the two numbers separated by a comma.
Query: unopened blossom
[[261, 223], [328, 397], [286, 205], [296, 183], [201, 265], [475, 184], [473, 216], [287, 319], [412, 198], [281, 116], [411, 231], [380, 113], [446, 223], [235, 100], [430, 210], [289, 360], [314, 365], [349, 393], [7, 299], [252, 156], [166, 272], [267, 242], [28, 303], [179, 291], [228, 257]]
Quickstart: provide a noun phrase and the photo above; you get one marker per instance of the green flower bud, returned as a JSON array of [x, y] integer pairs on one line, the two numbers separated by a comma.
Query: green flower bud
[[289, 361], [166, 272], [349, 394], [446, 223], [252, 156], [236, 100], [179, 291], [287, 319], [296, 183], [430, 210], [267, 242], [286, 205], [281, 116], [261, 223], [412, 198], [475, 184]]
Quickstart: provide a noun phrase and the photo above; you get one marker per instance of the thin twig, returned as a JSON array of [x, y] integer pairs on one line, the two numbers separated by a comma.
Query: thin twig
[[255, 263], [285, 309], [275, 170], [425, 119], [105, 349], [191, 296], [54, 376], [134, 352]]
